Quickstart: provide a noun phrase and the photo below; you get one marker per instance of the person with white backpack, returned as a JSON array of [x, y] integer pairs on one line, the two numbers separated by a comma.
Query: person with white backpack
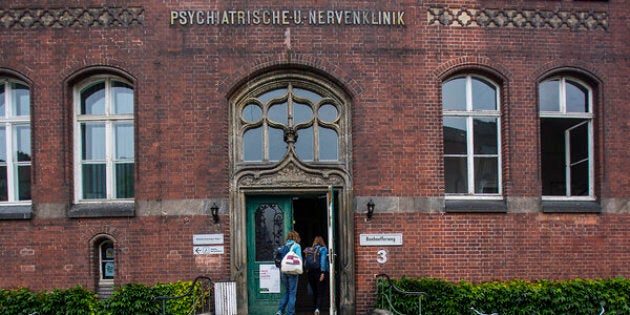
[[290, 280]]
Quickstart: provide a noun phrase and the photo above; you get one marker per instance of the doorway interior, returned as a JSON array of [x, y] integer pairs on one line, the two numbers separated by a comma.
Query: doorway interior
[[309, 215]]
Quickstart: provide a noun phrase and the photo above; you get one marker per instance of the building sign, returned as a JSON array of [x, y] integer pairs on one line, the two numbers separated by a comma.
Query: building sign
[[207, 239], [208, 250], [381, 239], [287, 17]]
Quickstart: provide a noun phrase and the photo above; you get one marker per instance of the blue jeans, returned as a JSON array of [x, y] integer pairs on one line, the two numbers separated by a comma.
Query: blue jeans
[[290, 283]]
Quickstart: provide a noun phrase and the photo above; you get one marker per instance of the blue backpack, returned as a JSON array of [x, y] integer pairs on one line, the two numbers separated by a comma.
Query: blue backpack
[[311, 258]]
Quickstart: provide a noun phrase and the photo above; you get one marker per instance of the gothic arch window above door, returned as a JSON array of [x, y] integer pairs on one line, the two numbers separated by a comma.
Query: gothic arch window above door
[[280, 117]]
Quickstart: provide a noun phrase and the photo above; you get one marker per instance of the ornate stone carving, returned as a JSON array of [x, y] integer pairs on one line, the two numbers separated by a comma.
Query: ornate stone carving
[[104, 17], [518, 18], [290, 176]]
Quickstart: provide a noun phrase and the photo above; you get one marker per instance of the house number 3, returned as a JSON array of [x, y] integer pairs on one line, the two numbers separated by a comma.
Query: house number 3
[[381, 256]]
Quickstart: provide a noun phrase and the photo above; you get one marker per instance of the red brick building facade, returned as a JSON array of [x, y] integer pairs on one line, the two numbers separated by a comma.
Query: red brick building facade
[[490, 136]]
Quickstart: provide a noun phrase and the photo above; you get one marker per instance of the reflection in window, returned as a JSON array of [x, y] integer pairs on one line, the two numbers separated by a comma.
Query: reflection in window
[[104, 120], [566, 139], [15, 142], [287, 116], [471, 128]]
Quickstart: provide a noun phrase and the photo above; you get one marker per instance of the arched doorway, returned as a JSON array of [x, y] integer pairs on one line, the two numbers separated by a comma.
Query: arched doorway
[[290, 148]]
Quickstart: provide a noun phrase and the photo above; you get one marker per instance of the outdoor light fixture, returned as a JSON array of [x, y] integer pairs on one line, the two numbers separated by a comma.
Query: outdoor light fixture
[[215, 212], [370, 209]]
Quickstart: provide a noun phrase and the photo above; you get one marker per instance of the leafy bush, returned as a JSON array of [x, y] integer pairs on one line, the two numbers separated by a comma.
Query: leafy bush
[[130, 298], [516, 297]]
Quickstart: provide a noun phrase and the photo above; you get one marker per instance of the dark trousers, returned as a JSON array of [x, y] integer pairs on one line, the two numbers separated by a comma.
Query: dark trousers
[[319, 288]]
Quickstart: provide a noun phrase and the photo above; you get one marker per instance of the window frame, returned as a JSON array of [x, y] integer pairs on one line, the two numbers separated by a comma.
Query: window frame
[[562, 113], [9, 122], [108, 119], [291, 83], [470, 115]]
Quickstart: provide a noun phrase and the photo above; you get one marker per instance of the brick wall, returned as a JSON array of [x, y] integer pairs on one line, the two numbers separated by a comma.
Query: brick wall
[[489, 247], [183, 76]]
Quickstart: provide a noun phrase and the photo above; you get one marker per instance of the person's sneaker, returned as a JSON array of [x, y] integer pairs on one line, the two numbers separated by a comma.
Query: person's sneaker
[[278, 313], [317, 311]]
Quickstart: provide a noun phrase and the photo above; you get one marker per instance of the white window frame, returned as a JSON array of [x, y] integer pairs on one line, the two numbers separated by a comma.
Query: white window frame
[[9, 122], [108, 119], [470, 115], [588, 117]]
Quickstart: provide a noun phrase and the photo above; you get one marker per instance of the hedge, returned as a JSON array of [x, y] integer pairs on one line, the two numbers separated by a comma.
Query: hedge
[[130, 298], [517, 297]]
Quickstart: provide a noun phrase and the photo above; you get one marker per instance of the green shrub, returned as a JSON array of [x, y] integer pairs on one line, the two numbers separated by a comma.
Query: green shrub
[[128, 299], [516, 297]]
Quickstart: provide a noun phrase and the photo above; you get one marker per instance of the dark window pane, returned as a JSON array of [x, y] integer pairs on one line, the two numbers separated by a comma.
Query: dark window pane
[[4, 190], [94, 181], [576, 98], [485, 135], [277, 146], [455, 175], [21, 100], [304, 144], [552, 156], [486, 176], [579, 143], [252, 113], [253, 145], [269, 225], [549, 96], [278, 113], [24, 182], [579, 179], [454, 94], [124, 180], [302, 113], [328, 144], [328, 113], [93, 100], [484, 95], [454, 135], [122, 97]]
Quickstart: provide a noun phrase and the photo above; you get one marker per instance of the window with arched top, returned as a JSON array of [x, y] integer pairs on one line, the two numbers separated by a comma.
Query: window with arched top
[[289, 116], [15, 142], [104, 139], [472, 137], [566, 138]]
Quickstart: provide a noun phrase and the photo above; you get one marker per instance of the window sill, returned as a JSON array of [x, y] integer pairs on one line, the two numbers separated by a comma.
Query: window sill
[[16, 212], [102, 210], [571, 206], [475, 206]]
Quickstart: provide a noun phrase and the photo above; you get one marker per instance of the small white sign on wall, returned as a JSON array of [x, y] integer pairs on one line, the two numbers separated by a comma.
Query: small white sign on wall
[[208, 250], [394, 239], [207, 239]]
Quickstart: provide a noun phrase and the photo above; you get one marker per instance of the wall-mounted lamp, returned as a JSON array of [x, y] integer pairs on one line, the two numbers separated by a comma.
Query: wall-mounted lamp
[[370, 209], [214, 210]]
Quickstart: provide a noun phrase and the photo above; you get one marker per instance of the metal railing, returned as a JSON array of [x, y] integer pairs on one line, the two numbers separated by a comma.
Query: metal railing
[[201, 300], [389, 288]]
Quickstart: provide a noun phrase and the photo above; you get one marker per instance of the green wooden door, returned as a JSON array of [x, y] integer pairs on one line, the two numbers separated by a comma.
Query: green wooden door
[[269, 219]]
